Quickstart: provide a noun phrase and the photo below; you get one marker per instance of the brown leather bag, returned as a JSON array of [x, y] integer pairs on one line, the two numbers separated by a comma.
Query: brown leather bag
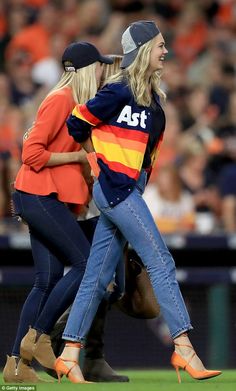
[[138, 300]]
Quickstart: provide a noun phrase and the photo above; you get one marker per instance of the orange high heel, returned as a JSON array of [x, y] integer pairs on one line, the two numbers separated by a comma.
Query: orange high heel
[[178, 362], [62, 369]]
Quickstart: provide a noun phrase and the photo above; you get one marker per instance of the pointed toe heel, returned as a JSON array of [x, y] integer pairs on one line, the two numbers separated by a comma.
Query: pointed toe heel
[[62, 369], [179, 363]]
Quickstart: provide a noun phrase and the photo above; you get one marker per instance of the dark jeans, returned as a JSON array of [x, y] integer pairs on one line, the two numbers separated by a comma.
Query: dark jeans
[[56, 239]]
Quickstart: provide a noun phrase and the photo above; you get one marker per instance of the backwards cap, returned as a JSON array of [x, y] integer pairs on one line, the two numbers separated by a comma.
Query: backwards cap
[[81, 54], [136, 35]]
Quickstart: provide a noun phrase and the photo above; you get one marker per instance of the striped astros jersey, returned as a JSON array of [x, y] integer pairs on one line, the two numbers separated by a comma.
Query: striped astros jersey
[[120, 130]]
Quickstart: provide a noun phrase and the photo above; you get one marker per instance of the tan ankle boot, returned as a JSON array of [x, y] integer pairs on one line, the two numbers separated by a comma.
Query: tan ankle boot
[[10, 374], [27, 345], [41, 349], [21, 373]]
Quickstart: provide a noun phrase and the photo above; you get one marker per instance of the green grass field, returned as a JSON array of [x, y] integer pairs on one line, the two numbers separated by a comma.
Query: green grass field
[[141, 380]]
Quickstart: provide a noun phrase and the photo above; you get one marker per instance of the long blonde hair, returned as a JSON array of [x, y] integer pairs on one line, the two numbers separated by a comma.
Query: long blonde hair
[[83, 83], [111, 69], [137, 76]]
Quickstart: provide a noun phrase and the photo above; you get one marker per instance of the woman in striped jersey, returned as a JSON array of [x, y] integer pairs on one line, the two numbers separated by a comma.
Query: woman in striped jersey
[[121, 129]]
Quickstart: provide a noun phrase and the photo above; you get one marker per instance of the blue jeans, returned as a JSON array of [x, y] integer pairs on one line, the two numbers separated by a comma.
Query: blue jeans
[[129, 221], [56, 240]]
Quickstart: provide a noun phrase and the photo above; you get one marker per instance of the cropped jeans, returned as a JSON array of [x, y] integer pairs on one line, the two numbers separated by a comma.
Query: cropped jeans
[[130, 221], [56, 240]]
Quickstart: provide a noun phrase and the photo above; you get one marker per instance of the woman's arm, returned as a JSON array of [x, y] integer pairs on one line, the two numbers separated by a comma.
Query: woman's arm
[[49, 122], [101, 108], [60, 158]]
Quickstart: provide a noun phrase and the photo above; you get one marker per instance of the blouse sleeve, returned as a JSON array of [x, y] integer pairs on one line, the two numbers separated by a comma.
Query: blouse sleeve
[[50, 119]]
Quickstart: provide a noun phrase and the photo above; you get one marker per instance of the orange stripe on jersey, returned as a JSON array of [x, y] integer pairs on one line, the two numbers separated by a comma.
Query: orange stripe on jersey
[[119, 168], [109, 137], [135, 135], [88, 115], [76, 113]]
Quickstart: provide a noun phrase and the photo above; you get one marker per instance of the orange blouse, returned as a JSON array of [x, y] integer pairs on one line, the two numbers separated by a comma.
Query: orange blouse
[[49, 134]]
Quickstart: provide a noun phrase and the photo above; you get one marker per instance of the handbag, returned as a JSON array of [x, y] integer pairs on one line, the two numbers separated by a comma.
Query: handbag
[[139, 300]]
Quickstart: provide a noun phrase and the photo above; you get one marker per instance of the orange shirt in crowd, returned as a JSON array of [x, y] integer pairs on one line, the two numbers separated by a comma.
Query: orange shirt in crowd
[[3, 25], [8, 142], [10, 128], [226, 13], [34, 40], [187, 46], [36, 3], [49, 134]]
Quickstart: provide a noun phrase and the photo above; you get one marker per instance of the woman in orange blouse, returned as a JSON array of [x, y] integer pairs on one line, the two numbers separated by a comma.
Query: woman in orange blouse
[[53, 180]]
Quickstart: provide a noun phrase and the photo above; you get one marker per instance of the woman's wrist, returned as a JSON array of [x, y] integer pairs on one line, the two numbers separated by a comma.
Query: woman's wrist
[[82, 156]]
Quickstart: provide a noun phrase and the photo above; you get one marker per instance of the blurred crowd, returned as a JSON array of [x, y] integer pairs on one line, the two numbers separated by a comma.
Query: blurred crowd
[[193, 186]]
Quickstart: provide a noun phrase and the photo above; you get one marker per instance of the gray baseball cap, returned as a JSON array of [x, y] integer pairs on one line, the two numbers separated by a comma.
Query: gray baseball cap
[[136, 35]]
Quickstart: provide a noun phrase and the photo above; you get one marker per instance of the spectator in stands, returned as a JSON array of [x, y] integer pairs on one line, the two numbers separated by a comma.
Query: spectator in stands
[[227, 186], [25, 92], [200, 114], [170, 146], [34, 39], [225, 165], [190, 34], [51, 187], [22, 88], [11, 122], [198, 180], [222, 88], [225, 15], [47, 71], [126, 123], [13, 18], [172, 208]]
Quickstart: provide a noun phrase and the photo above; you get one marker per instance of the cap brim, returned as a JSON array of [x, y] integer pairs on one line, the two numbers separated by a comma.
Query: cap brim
[[106, 60], [129, 58]]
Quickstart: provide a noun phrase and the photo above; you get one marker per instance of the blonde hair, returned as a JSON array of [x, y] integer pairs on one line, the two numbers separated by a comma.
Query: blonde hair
[[83, 83], [137, 76], [111, 69]]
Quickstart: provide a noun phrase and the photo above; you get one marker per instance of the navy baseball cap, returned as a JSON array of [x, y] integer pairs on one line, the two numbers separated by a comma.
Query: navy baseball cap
[[136, 35], [81, 54]]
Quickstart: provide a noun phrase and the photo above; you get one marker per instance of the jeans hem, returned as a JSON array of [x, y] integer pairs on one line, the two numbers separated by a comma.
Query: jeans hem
[[181, 331], [73, 338]]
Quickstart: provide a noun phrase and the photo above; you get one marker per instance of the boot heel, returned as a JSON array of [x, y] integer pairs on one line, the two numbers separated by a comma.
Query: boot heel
[[20, 373], [27, 344], [26, 355]]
